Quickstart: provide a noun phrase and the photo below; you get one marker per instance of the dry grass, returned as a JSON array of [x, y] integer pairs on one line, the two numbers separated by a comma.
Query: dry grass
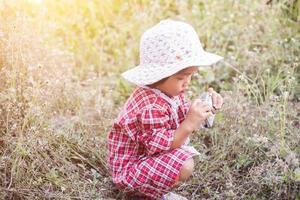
[[58, 99]]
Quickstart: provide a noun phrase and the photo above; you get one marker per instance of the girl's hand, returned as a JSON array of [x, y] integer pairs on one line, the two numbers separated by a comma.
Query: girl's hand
[[195, 118], [198, 113], [217, 99]]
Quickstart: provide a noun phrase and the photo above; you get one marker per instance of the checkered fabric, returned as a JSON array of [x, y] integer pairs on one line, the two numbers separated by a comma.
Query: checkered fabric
[[139, 154]]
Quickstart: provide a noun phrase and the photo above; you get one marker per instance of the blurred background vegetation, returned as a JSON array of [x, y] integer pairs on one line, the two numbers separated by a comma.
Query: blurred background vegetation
[[60, 89]]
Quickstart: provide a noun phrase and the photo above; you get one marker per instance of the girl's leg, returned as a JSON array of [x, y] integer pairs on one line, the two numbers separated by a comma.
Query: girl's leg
[[184, 173], [156, 175], [186, 170]]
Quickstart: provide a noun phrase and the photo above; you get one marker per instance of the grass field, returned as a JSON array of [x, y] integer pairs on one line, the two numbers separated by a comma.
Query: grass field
[[60, 89]]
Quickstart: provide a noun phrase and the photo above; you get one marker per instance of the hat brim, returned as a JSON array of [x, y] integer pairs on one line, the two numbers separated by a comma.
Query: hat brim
[[146, 75]]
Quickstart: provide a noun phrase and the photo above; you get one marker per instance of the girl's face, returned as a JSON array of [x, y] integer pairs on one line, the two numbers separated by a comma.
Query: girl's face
[[177, 83]]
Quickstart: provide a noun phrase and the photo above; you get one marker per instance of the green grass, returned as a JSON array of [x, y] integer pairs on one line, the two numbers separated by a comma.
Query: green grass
[[60, 89]]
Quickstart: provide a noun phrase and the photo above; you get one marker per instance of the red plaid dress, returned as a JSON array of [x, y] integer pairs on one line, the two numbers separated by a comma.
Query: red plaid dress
[[139, 154]]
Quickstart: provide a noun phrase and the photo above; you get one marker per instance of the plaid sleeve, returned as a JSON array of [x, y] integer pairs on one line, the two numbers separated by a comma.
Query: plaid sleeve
[[156, 133]]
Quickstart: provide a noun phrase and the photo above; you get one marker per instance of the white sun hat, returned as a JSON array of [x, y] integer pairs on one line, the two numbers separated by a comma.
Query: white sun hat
[[167, 48]]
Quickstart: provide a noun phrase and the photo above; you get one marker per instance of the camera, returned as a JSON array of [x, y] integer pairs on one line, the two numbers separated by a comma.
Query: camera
[[207, 98]]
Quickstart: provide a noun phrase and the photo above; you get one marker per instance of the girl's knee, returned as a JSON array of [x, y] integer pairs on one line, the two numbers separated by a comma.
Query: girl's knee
[[186, 170]]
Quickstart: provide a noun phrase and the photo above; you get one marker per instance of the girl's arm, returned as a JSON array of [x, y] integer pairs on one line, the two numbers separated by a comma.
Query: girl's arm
[[196, 116], [181, 134]]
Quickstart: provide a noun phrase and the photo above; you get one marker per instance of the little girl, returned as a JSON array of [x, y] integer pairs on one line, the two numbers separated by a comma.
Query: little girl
[[147, 145]]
